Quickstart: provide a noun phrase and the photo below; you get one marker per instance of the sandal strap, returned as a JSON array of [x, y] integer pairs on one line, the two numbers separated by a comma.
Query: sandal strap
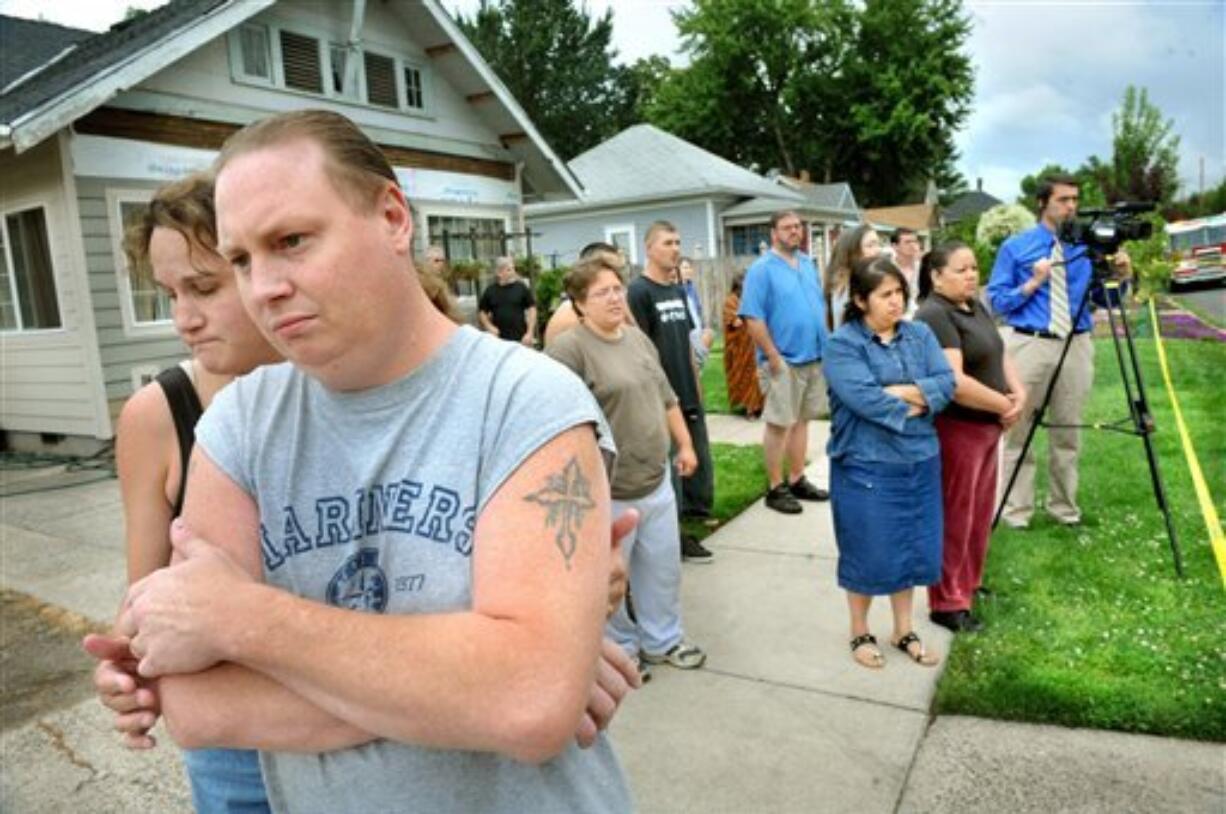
[[906, 641], [860, 641]]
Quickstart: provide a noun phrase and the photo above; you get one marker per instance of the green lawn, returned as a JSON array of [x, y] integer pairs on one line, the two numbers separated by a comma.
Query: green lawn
[[740, 479], [714, 386], [1089, 626]]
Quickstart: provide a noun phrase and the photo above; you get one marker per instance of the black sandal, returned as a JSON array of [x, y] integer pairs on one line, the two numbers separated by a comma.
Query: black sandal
[[922, 657], [876, 659]]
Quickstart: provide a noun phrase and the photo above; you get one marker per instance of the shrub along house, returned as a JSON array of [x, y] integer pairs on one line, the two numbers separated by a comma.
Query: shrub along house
[[91, 124]]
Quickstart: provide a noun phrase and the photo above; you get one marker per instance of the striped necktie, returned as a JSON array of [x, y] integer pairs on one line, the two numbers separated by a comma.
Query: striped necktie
[[1061, 322]]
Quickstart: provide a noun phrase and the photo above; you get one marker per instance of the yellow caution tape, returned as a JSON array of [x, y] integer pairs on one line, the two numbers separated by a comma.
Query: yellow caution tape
[[1216, 537]]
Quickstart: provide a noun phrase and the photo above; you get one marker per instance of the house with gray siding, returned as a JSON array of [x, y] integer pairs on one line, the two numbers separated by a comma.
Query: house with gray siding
[[641, 175], [91, 124]]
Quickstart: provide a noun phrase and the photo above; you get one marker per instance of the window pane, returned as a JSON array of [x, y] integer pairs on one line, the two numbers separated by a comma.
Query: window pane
[[380, 80], [253, 41], [340, 61], [467, 238], [412, 88], [149, 301], [8, 308], [300, 61], [27, 233]]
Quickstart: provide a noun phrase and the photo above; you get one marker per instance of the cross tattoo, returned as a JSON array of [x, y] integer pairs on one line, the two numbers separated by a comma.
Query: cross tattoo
[[567, 497]]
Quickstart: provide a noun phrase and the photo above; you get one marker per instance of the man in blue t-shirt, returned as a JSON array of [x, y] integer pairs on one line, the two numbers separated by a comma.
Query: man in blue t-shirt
[[785, 313], [1037, 286]]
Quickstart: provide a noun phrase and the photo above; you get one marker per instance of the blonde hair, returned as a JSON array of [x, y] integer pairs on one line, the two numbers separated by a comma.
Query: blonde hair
[[186, 206], [355, 165]]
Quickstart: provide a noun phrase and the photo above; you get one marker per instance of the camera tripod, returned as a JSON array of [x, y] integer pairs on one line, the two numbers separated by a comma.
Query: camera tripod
[[1139, 421]]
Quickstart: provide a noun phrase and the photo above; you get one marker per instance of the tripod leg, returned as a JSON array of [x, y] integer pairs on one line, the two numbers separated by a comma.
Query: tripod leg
[[1144, 423]]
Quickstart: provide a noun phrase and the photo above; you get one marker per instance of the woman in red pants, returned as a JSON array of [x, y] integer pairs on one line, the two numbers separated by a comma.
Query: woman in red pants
[[988, 399]]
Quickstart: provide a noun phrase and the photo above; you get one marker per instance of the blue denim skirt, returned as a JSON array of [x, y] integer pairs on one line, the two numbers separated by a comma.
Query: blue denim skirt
[[887, 524], [226, 781]]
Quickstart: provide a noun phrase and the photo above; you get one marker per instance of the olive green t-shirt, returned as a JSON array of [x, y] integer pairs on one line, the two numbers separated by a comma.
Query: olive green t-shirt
[[628, 382]]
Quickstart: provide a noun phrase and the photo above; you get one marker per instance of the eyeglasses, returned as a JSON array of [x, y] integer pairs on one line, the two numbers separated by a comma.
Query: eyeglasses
[[612, 293]]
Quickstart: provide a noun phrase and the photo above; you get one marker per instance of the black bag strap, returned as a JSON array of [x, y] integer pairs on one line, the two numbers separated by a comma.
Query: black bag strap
[[185, 409]]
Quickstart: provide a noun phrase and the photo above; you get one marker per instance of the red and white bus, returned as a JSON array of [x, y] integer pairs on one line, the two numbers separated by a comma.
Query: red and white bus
[[1198, 248]]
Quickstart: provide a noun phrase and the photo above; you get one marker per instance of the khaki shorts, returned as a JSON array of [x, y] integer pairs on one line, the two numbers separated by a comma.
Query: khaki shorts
[[796, 394]]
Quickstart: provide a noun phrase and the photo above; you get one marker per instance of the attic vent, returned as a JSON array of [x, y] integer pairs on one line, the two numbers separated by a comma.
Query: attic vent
[[300, 62], [381, 80]]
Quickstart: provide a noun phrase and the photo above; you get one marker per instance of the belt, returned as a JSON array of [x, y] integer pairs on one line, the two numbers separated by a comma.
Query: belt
[[1042, 334]]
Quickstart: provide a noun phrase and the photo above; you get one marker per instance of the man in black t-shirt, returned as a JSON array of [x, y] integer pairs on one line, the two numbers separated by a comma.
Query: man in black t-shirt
[[507, 308], [660, 310]]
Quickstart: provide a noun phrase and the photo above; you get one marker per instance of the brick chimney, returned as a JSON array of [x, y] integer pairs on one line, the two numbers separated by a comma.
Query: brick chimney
[[979, 184]]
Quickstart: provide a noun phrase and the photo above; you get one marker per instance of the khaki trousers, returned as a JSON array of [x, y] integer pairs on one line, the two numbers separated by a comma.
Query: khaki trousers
[[1036, 358]]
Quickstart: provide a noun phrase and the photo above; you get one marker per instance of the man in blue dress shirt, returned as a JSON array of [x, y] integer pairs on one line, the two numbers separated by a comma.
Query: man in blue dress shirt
[[1037, 286], [785, 314]]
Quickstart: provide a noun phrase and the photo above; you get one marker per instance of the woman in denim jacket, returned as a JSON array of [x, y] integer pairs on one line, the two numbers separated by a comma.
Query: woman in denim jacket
[[887, 379]]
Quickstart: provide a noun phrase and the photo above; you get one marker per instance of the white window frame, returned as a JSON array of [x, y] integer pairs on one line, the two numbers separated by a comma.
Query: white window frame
[[427, 92], [14, 207], [325, 41], [632, 254], [359, 89], [162, 328], [274, 58]]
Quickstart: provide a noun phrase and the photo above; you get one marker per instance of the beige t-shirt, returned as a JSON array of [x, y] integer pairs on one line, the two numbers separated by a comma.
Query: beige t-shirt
[[628, 382]]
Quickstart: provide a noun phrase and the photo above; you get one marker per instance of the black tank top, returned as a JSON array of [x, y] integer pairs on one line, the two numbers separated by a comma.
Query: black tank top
[[185, 409]]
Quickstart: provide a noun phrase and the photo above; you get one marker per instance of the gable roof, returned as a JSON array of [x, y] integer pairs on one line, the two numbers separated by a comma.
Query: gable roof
[[644, 163], [27, 45], [973, 203], [102, 65], [920, 217], [835, 196], [106, 63], [827, 199]]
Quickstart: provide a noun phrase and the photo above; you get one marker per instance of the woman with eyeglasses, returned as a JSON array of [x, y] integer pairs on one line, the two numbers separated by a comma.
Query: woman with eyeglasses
[[621, 367]]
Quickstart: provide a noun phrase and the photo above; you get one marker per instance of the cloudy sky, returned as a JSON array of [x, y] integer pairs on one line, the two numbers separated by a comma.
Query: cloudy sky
[[1048, 74]]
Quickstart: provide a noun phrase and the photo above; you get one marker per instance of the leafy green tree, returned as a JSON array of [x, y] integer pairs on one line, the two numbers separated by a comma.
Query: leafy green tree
[[557, 62], [1145, 153], [870, 92], [744, 95], [635, 86], [1091, 193], [907, 88], [1197, 205]]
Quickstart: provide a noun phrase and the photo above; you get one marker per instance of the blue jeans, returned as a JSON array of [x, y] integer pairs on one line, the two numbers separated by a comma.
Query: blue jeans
[[226, 781]]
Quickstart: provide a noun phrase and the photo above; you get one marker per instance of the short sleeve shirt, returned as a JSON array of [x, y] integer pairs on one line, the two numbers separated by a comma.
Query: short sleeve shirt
[[974, 333], [625, 376], [661, 312], [789, 302], [507, 306]]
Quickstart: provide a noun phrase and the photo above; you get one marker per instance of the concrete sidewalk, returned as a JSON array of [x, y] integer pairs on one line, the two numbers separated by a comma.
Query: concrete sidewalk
[[779, 720]]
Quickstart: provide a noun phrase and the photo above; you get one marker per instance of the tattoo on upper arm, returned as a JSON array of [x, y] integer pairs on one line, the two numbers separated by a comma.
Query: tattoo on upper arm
[[567, 496]]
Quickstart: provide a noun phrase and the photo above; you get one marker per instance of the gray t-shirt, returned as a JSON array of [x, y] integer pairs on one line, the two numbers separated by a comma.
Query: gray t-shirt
[[630, 386], [368, 500]]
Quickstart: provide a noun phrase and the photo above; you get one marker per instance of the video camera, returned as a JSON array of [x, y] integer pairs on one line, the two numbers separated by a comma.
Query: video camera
[[1103, 230]]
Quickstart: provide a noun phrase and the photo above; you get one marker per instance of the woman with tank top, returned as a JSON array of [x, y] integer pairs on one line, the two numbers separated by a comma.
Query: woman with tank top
[[172, 242]]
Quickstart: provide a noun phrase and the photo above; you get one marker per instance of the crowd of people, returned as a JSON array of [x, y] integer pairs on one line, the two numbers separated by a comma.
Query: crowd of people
[[377, 555]]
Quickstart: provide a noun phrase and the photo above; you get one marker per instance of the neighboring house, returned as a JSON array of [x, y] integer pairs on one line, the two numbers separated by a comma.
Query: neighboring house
[[641, 175], [969, 205], [825, 208], [923, 218], [91, 124]]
